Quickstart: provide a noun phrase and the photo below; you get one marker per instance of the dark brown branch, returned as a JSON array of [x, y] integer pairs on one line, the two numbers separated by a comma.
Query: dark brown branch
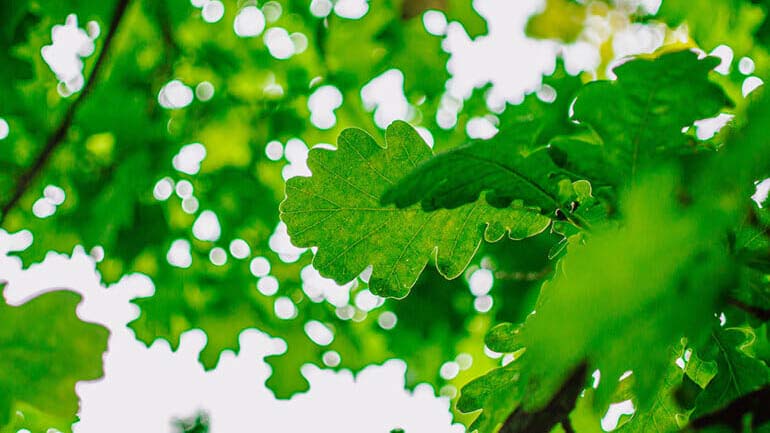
[[556, 412], [60, 133], [566, 424], [757, 312], [755, 403]]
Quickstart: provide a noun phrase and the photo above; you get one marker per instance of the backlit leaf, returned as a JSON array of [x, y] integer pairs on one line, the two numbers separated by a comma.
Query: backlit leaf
[[338, 209]]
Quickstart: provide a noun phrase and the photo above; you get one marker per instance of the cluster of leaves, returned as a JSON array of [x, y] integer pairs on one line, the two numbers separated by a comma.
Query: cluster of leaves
[[654, 242], [610, 226], [107, 145]]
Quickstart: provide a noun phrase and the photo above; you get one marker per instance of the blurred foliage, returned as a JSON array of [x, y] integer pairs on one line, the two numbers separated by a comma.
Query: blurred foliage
[[197, 424], [112, 142], [597, 230], [44, 350], [561, 20], [652, 269]]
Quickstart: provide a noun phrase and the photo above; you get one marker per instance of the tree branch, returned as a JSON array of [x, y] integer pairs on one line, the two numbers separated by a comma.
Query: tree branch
[[60, 133], [755, 403], [566, 424], [757, 312], [556, 412]]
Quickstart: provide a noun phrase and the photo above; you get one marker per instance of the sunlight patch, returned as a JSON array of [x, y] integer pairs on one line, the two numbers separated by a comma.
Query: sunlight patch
[[70, 45]]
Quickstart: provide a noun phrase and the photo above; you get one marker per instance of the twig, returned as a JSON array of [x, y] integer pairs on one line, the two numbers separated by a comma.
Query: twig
[[524, 276], [555, 412], [757, 312], [58, 137]]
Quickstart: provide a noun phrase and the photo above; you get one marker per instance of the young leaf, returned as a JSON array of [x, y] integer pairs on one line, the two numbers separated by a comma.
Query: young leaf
[[338, 210], [562, 20]]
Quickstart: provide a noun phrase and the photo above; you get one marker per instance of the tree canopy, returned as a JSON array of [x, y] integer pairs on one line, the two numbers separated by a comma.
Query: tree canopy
[[607, 242]]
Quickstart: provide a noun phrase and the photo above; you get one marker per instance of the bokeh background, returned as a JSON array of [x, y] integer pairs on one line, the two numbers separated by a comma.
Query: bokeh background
[[144, 147]]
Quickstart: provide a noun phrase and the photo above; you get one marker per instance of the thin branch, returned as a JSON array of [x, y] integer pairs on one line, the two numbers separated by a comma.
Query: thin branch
[[164, 23], [555, 412], [754, 403], [60, 133], [524, 276], [757, 312]]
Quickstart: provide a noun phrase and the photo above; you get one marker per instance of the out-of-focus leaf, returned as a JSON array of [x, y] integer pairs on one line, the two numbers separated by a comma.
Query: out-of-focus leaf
[[465, 12], [44, 350], [561, 20], [643, 309], [732, 22], [664, 414], [381, 42]]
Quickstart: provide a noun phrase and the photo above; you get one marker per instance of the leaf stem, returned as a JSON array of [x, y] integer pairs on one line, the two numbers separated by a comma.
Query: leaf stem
[[60, 133]]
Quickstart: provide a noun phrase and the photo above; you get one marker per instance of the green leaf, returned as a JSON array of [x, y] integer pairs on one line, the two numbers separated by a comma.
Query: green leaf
[[642, 113], [511, 166], [382, 41], [625, 284], [732, 22], [586, 158], [584, 418], [748, 413], [44, 350], [338, 210], [497, 393], [503, 339], [752, 246], [664, 414], [739, 372], [701, 372], [459, 176]]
